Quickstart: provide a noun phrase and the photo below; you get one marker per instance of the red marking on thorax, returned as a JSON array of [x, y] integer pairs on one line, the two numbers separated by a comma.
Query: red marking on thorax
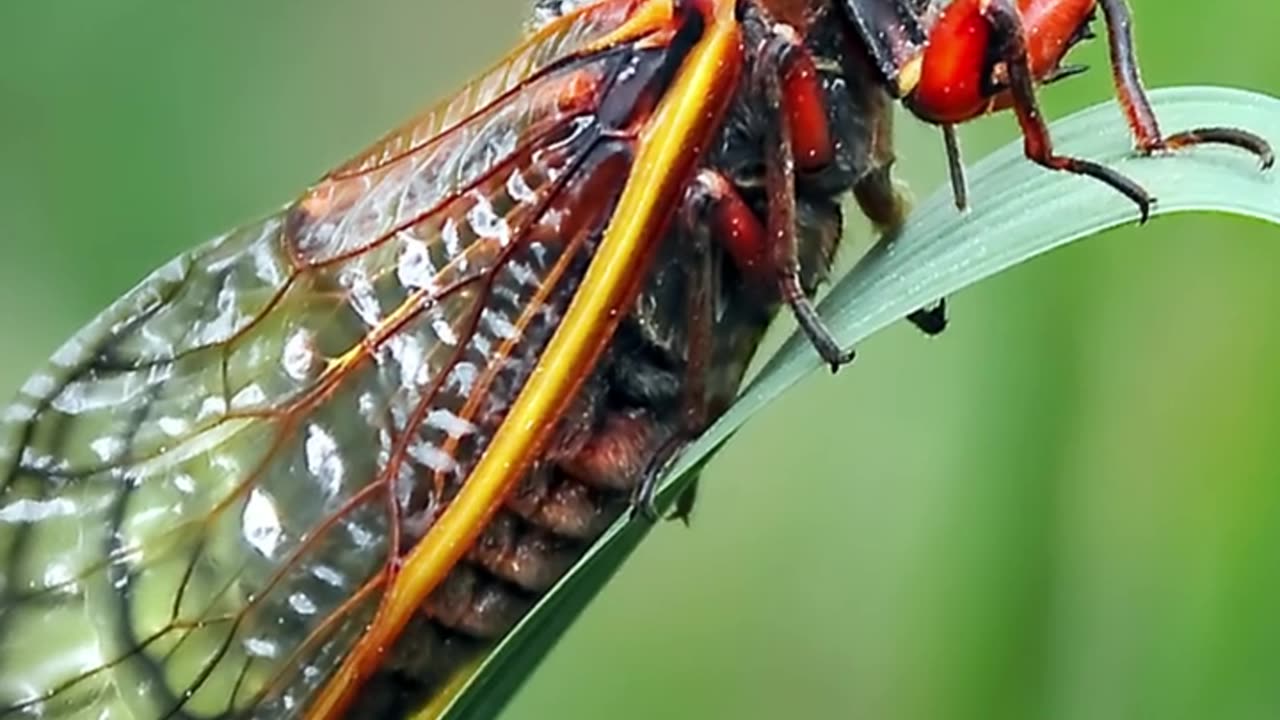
[[952, 85]]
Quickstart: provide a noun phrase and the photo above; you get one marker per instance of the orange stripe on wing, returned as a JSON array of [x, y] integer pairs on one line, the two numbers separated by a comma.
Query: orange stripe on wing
[[671, 144]]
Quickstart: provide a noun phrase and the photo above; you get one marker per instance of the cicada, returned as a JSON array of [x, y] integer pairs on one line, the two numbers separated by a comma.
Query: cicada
[[316, 467]]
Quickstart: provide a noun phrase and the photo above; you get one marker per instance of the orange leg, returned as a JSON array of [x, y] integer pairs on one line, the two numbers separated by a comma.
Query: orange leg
[[781, 54], [1137, 108], [1010, 44]]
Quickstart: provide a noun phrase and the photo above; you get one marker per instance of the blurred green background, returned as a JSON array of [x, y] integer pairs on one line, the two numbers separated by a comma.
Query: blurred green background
[[1068, 506]]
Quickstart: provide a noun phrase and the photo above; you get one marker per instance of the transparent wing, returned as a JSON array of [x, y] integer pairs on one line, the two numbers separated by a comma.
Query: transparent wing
[[202, 491]]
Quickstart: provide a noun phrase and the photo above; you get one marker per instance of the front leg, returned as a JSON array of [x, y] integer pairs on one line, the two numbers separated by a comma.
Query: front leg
[[1009, 44], [787, 83], [1137, 108]]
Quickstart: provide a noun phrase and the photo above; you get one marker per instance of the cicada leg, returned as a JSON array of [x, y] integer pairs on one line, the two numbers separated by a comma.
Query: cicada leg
[[800, 136], [882, 200], [955, 167], [1009, 43], [798, 131], [1137, 108], [711, 208]]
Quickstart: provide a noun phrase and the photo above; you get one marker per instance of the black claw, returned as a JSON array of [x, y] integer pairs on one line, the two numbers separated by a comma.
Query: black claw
[[1144, 209], [1120, 183], [684, 504], [840, 359], [930, 320]]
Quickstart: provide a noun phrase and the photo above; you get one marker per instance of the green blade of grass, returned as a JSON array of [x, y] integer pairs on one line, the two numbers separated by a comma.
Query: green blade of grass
[[1019, 211]]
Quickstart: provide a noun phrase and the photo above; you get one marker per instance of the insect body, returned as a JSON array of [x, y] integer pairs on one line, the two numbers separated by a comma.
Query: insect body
[[316, 467], [953, 61]]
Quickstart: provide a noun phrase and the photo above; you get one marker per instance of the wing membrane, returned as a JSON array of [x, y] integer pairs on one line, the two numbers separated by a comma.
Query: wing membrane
[[554, 44], [202, 492]]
